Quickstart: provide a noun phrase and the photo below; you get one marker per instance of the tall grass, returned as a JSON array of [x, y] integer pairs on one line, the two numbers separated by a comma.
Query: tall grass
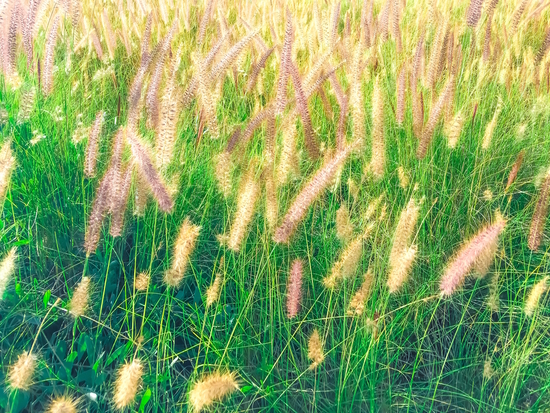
[[257, 206]]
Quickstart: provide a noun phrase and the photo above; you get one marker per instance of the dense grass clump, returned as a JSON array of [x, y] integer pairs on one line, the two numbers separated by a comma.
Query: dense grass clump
[[250, 206]]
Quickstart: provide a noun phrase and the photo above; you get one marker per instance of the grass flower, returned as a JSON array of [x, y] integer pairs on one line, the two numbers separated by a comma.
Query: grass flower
[[183, 248], [81, 298], [212, 388], [294, 289], [315, 351], [470, 253], [22, 372], [63, 404], [533, 299], [127, 383]]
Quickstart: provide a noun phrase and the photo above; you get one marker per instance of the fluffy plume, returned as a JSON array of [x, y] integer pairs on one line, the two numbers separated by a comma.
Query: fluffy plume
[[301, 102], [81, 297], [378, 159], [126, 384], [253, 77], [223, 166], [543, 48], [47, 72], [357, 304], [207, 100], [539, 216], [151, 98], [485, 260], [288, 161], [309, 193], [466, 257], [145, 39], [405, 229], [533, 299], [337, 87], [334, 25], [401, 90], [474, 12], [7, 268], [141, 194], [515, 169], [93, 145], [371, 208], [10, 53], [254, 124], [286, 61], [435, 55], [21, 373], [349, 260], [417, 63], [402, 254], [169, 112], [453, 129], [142, 281], [149, 172], [294, 289], [193, 85], [315, 349], [230, 57], [120, 202], [418, 113], [115, 171], [213, 292], [26, 105], [517, 17], [210, 389], [63, 404], [341, 131], [7, 165], [249, 191], [204, 22], [99, 210], [96, 43], [435, 114], [109, 34], [344, 228], [356, 100], [27, 31], [183, 248], [403, 177], [490, 129], [401, 268]]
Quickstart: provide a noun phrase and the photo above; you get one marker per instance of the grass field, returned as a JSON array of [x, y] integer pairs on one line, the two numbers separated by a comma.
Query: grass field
[[244, 206]]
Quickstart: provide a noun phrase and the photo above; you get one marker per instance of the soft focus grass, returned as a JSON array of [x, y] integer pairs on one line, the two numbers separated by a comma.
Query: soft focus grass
[[428, 353]]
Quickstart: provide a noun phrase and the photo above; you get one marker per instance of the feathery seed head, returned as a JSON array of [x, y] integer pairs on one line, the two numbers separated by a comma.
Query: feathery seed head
[[63, 404], [533, 299], [142, 281], [21, 373], [81, 297], [183, 248], [469, 254], [249, 192], [127, 383], [344, 227], [294, 290], [315, 349], [357, 304], [7, 267], [212, 388]]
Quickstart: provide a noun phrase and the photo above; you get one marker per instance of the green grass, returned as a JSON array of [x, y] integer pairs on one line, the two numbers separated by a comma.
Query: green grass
[[428, 353]]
